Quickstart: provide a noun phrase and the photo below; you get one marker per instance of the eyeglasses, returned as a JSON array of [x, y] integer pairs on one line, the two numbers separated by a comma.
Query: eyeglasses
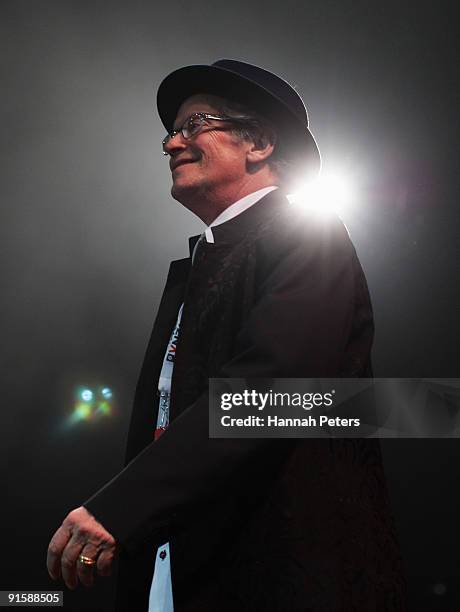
[[195, 124]]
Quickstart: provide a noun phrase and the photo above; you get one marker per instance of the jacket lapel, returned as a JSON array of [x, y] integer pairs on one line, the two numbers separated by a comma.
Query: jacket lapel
[[145, 406]]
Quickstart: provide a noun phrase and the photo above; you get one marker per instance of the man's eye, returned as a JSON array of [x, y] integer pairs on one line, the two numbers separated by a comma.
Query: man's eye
[[194, 125]]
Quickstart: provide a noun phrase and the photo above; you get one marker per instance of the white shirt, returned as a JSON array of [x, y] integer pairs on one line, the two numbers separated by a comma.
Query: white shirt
[[237, 208], [161, 597]]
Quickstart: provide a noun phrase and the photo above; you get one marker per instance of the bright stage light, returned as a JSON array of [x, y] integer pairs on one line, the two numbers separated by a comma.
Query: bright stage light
[[330, 193], [106, 392]]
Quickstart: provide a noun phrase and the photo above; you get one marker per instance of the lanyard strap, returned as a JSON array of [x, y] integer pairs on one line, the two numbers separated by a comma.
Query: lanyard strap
[[164, 383]]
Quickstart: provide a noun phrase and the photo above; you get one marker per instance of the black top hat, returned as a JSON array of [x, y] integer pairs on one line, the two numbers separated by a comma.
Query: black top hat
[[260, 90]]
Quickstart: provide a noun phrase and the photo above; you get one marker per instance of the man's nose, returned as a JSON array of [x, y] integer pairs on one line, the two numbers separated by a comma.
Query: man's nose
[[175, 144]]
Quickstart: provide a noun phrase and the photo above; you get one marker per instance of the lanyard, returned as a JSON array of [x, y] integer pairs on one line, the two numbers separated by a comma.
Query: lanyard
[[164, 383]]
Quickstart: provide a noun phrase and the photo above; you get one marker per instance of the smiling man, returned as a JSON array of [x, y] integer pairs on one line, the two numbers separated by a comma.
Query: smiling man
[[211, 173], [250, 525]]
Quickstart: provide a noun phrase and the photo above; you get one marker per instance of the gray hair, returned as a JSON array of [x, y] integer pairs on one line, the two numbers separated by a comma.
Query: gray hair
[[261, 131]]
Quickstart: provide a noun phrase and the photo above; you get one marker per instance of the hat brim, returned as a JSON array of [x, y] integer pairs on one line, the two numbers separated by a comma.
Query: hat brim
[[296, 142]]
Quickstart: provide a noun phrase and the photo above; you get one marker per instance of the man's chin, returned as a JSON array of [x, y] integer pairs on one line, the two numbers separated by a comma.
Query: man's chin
[[184, 193]]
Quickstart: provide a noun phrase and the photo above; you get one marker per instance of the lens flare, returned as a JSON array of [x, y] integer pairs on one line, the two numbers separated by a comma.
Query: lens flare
[[103, 408], [329, 194], [82, 412]]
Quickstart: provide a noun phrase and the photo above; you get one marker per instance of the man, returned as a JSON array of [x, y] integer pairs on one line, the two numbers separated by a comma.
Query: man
[[266, 292]]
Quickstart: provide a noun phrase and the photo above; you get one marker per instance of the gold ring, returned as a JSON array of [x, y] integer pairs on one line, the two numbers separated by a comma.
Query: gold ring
[[86, 560]]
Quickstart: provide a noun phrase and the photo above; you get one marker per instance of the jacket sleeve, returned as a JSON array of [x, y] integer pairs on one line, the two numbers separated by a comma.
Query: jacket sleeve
[[300, 325]]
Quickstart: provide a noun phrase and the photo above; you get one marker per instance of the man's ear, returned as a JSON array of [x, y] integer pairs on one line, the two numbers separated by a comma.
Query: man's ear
[[261, 148]]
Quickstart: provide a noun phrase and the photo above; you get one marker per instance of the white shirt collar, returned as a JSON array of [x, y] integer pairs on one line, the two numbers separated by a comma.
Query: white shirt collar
[[237, 208]]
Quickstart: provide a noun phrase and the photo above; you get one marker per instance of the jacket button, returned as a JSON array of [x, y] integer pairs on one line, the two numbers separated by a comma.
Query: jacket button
[[163, 555]]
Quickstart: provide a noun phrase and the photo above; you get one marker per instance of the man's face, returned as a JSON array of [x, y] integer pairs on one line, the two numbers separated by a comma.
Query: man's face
[[211, 164]]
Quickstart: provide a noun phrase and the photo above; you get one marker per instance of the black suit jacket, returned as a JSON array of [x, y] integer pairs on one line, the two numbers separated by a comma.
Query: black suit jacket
[[299, 525]]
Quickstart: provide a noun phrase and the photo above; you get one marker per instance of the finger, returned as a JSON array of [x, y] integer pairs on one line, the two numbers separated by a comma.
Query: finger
[[105, 561], [69, 560], [86, 572], [55, 549], [86, 534]]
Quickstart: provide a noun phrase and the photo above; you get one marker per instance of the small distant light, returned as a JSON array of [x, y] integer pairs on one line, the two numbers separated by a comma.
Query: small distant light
[[439, 589], [87, 395], [91, 405]]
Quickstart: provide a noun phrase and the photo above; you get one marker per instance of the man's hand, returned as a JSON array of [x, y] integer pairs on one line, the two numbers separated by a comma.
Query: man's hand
[[80, 534]]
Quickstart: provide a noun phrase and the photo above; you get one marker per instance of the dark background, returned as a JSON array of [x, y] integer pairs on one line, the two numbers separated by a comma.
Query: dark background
[[88, 228]]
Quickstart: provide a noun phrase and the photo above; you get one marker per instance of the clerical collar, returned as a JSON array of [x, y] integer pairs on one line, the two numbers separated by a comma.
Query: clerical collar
[[235, 209]]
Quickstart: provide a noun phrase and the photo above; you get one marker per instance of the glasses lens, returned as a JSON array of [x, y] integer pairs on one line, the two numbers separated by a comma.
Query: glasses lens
[[193, 125]]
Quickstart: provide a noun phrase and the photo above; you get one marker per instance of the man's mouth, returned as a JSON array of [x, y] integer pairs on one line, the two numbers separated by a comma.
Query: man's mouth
[[181, 162]]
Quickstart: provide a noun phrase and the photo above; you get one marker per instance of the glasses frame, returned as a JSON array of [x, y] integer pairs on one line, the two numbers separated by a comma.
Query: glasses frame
[[203, 117]]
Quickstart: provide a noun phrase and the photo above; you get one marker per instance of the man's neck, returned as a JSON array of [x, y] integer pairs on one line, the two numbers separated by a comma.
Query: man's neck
[[210, 205]]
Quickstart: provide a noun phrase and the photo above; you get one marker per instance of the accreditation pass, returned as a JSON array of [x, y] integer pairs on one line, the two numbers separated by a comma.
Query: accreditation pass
[[16, 599]]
